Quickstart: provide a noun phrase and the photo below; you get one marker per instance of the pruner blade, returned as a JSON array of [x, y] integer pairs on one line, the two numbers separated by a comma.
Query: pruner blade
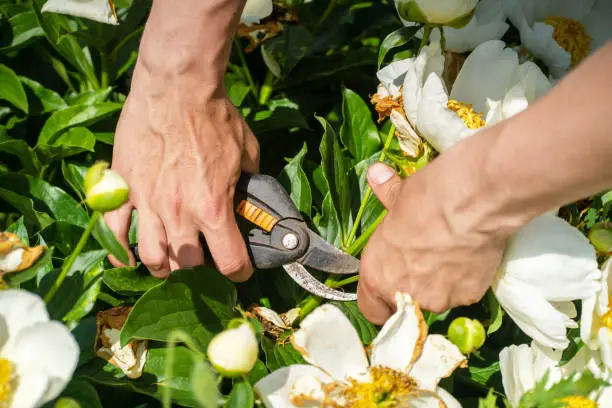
[[308, 282]]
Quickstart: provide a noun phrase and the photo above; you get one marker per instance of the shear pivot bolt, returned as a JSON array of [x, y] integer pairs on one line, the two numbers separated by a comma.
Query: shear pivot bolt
[[290, 241]]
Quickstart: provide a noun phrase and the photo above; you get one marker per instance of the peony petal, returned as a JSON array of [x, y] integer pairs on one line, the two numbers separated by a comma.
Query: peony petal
[[429, 60], [438, 360], [96, 10], [576, 10], [532, 313], [424, 399], [19, 309], [30, 388], [270, 316], [447, 398], [47, 348], [439, 125], [530, 83], [408, 139], [553, 258], [327, 339], [604, 336], [486, 73], [488, 23], [392, 76], [605, 399], [597, 24], [595, 306], [256, 10], [400, 341], [539, 40], [275, 388]]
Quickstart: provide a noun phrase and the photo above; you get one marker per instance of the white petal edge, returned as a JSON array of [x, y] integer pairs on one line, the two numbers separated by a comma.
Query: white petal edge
[[401, 340], [96, 10], [30, 389], [274, 389], [327, 339], [438, 360], [19, 309], [447, 398], [256, 10]]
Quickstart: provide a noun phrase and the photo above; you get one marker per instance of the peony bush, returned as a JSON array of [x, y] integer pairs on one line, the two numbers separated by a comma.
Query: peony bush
[[329, 88]]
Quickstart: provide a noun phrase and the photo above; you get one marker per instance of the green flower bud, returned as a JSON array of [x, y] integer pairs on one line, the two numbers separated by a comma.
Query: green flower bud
[[467, 334], [233, 352], [601, 237], [454, 13], [66, 402], [105, 190]]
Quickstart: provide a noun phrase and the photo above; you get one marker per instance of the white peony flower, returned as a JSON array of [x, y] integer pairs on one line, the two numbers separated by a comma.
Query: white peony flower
[[523, 366], [405, 365], [561, 33], [256, 10], [596, 318], [547, 264], [102, 11], [436, 12], [233, 352], [37, 356]]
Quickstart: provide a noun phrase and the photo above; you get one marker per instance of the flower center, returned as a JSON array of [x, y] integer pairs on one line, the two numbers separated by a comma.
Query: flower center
[[606, 319], [6, 380], [472, 119], [579, 402], [571, 36], [388, 388]]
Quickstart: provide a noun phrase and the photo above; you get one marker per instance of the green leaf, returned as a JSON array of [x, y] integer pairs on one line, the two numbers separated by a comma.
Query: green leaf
[[373, 207], [11, 89], [545, 396], [25, 206], [288, 48], [277, 118], [241, 396], [43, 263], [19, 148], [358, 132], [75, 177], [91, 97], [496, 313], [18, 228], [295, 181], [81, 115], [83, 392], [328, 223], [481, 375], [280, 355], [130, 280], [48, 198], [199, 301], [335, 172], [85, 303], [153, 378], [395, 39], [366, 330], [43, 100], [84, 333], [106, 238], [258, 372], [490, 401], [204, 385], [25, 29], [74, 141]]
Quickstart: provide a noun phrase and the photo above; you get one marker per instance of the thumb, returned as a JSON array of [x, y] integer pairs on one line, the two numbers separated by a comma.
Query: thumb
[[384, 183]]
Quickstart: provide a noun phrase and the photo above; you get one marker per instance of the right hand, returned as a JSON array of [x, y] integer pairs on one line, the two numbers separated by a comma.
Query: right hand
[[181, 147]]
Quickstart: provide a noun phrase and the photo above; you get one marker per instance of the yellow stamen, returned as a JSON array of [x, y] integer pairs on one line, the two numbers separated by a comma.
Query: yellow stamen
[[606, 319], [472, 119], [579, 402], [387, 388], [6, 373], [571, 36]]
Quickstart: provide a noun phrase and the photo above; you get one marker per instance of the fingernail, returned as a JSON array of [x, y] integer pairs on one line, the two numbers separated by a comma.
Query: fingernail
[[380, 173]]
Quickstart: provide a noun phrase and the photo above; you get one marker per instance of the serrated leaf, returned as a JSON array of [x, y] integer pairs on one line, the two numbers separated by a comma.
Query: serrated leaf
[[11, 89], [295, 181], [199, 301], [130, 280], [395, 39]]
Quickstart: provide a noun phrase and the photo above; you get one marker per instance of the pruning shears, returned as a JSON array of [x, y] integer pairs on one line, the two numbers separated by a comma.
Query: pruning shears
[[277, 235]]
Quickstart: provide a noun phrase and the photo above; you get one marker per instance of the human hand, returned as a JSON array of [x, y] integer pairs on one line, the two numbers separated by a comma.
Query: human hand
[[181, 150], [438, 242]]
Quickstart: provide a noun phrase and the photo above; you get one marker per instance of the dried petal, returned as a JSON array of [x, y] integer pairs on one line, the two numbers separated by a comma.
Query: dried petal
[[14, 256]]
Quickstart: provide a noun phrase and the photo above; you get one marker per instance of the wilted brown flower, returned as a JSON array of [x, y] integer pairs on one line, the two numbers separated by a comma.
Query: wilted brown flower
[[14, 255]]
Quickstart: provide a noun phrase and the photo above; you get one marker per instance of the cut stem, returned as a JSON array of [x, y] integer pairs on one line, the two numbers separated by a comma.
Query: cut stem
[[70, 260]]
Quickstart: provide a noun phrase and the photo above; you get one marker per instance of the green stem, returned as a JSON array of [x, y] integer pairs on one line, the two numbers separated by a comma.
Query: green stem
[[426, 33], [345, 282], [245, 66], [267, 88], [324, 17], [104, 75], [442, 40], [360, 243], [368, 192], [70, 260]]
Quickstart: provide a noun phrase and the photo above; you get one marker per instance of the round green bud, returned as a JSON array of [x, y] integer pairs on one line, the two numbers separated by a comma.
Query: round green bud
[[453, 13], [601, 237], [66, 402], [467, 334], [234, 351], [105, 190]]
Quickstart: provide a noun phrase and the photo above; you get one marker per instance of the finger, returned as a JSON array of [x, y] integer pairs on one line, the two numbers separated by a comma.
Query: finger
[[371, 304], [184, 249], [226, 243], [152, 245], [119, 223], [250, 155], [384, 182]]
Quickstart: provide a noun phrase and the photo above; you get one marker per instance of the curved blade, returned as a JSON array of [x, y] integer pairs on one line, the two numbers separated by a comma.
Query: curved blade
[[303, 278], [323, 256]]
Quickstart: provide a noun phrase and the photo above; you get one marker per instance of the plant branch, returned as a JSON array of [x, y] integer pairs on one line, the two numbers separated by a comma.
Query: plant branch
[[426, 33], [70, 260], [245, 66], [324, 17]]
